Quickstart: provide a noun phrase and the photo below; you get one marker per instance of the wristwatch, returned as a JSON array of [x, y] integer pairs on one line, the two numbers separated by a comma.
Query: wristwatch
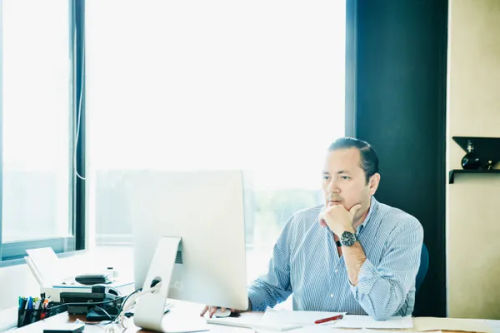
[[348, 238]]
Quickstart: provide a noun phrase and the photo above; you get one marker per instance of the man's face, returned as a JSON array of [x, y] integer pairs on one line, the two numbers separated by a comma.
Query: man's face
[[344, 182]]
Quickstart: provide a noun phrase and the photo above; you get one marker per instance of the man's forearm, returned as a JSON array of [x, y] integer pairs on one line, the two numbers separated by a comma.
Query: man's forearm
[[354, 257]]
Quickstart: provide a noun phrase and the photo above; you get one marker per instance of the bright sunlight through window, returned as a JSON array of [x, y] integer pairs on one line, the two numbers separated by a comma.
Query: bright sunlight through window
[[187, 85]]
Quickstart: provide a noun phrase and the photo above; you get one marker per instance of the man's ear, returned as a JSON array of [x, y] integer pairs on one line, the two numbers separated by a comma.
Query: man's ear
[[373, 183]]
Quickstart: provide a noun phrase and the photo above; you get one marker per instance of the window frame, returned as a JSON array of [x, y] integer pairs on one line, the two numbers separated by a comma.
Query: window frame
[[13, 252]]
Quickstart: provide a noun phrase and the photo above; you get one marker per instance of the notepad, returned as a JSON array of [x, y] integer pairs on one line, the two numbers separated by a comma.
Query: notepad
[[260, 324], [297, 317], [178, 320], [354, 321]]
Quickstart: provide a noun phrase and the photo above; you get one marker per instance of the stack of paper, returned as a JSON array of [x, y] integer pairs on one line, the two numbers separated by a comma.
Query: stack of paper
[[45, 266], [260, 325], [305, 318], [301, 318], [179, 319], [352, 321]]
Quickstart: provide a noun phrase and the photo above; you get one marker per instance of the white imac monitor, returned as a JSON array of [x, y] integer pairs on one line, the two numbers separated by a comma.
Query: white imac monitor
[[205, 209]]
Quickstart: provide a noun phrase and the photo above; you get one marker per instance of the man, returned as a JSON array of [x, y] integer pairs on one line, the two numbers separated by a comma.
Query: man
[[352, 254]]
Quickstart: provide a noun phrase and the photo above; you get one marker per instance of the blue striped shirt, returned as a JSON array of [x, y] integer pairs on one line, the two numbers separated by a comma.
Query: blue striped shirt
[[306, 263]]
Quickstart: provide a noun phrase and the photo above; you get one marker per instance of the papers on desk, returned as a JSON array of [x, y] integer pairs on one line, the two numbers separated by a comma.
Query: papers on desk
[[352, 321], [365, 324], [297, 317], [348, 321], [183, 317], [260, 325], [282, 320], [181, 322]]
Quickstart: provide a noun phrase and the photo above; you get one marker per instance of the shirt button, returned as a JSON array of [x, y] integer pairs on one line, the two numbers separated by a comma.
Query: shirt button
[[336, 271], [331, 295]]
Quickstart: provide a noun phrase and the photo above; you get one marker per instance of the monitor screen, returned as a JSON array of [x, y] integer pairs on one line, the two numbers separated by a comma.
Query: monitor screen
[[205, 209]]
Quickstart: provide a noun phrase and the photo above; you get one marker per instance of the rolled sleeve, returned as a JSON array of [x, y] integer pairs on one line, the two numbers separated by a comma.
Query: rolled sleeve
[[258, 299], [382, 289], [366, 279]]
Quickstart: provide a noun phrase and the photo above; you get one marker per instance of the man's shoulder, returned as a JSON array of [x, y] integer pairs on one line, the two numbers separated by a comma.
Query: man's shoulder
[[397, 218], [306, 216], [301, 222], [308, 213]]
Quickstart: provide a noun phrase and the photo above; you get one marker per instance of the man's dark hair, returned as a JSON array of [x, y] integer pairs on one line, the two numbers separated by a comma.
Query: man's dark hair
[[369, 159]]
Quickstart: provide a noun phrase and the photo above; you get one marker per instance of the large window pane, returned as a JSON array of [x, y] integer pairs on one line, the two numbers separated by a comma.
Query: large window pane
[[35, 120], [185, 85]]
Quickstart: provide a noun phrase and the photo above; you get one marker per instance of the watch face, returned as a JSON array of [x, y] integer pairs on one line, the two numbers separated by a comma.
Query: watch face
[[348, 238]]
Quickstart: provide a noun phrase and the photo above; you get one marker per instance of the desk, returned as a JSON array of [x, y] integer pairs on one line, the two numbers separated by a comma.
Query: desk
[[65, 318]]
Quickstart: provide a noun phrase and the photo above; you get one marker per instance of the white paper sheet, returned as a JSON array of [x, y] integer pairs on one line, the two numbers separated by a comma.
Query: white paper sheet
[[47, 265], [260, 325], [174, 323], [183, 317], [353, 321], [376, 330], [297, 317], [313, 329]]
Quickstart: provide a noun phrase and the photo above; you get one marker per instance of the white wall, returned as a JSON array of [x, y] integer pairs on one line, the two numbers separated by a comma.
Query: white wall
[[473, 220], [16, 281]]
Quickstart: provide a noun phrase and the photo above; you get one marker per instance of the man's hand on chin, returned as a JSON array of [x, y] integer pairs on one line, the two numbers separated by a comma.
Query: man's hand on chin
[[339, 219]]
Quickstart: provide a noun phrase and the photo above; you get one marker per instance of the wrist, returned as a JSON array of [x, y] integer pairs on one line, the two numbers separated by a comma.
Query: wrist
[[350, 229], [346, 228]]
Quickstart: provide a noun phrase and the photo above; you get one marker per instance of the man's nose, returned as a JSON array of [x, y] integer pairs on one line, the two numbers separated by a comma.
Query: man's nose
[[333, 186]]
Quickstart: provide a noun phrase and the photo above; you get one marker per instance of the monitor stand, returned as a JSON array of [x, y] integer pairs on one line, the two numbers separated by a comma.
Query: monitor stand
[[150, 307]]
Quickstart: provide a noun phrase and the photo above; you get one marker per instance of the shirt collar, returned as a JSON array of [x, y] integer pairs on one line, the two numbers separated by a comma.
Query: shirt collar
[[373, 206]]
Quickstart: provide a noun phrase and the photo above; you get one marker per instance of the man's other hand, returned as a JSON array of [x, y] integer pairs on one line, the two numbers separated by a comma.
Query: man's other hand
[[338, 219], [210, 309]]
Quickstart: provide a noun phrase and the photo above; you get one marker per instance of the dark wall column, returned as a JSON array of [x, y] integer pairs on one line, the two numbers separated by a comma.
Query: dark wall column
[[396, 100]]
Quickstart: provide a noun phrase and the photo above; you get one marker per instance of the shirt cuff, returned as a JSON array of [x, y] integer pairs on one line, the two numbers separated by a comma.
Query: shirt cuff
[[367, 277], [257, 300]]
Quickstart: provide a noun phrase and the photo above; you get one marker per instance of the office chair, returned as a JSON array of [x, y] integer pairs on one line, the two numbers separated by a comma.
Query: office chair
[[424, 267]]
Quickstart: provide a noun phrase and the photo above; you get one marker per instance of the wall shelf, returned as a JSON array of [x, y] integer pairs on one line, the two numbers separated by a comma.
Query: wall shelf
[[486, 148], [452, 173]]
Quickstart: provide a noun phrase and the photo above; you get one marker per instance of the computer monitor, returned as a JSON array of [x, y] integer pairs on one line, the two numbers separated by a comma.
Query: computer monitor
[[206, 210]]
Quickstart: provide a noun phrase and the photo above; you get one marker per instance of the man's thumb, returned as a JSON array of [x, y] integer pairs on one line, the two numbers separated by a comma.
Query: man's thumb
[[354, 209]]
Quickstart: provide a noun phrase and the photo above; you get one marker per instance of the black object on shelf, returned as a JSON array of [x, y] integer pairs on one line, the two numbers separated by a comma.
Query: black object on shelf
[[487, 150], [482, 153]]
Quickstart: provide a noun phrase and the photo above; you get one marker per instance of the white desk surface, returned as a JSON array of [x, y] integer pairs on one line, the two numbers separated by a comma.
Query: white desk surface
[[420, 324]]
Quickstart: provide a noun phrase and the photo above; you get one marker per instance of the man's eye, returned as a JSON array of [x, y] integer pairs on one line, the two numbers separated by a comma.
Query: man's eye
[[325, 177], [345, 177]]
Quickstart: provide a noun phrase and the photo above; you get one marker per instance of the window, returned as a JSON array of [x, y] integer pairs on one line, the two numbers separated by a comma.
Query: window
[[38, 187], [256, 85]]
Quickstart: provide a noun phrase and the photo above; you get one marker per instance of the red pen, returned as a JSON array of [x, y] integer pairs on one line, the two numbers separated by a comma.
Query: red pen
[[324, 320]]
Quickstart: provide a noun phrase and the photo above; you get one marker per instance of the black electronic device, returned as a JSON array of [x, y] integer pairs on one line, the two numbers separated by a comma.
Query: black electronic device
[[82, 302], [91, 279], [96, 314]]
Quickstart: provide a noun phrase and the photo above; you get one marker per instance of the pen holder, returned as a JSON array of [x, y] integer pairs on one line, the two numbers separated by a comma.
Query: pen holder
[[32, 309]]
